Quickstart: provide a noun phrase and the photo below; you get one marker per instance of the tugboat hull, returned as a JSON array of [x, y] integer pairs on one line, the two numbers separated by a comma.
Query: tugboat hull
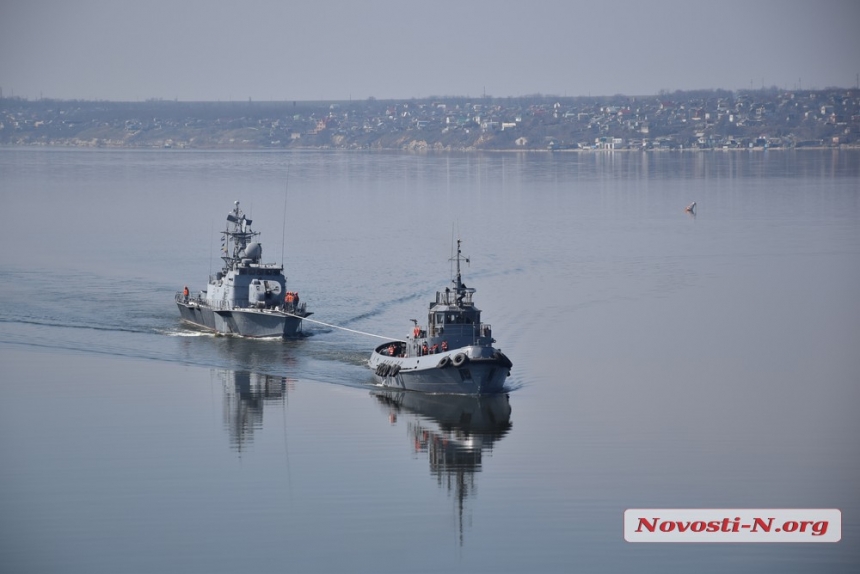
[[465, 371]]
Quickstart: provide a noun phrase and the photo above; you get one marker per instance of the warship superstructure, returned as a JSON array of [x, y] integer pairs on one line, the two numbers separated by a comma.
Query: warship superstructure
[[452, 353], [246, 297]]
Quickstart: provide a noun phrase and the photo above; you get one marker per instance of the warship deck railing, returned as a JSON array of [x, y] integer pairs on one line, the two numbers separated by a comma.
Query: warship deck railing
[[238, 304]]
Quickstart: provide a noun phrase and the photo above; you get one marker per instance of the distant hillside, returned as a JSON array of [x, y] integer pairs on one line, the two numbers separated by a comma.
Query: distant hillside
[[704, 119]]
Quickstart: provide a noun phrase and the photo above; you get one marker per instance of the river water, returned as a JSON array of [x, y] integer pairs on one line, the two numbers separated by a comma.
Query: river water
[[661, 360]]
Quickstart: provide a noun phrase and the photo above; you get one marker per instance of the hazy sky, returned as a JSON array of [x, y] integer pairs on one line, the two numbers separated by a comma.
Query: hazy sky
[[336, 50]]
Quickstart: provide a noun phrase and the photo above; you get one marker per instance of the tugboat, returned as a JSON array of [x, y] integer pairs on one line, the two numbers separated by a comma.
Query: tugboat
[[453, 354], [247, 298]]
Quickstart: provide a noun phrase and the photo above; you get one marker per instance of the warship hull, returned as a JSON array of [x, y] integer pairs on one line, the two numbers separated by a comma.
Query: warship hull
[[465, 371], [255, 323]]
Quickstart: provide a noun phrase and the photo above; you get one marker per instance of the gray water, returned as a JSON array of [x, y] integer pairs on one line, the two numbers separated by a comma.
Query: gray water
[[660, 360]]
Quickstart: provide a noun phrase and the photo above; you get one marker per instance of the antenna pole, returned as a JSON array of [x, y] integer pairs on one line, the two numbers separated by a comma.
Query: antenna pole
[[459, 282], [284, 228], [211, 233], [452, 244]]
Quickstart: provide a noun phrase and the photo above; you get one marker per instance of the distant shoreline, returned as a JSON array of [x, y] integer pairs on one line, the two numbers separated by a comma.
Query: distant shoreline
[[697, 120], [841, 147]]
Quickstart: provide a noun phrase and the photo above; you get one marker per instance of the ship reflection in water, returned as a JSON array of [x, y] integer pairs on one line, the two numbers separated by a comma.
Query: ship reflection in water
[[454, 431], [245, 394]]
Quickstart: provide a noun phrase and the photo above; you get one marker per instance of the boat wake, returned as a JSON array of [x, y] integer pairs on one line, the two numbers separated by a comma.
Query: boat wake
[[182, 333], [57, 325], [380, 308]]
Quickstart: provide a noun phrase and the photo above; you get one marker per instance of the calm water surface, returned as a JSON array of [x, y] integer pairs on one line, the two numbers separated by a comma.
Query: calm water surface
[[660, 360]]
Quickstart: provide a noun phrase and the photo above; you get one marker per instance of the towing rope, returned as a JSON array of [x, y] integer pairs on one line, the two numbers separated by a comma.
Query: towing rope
[[346, 329]]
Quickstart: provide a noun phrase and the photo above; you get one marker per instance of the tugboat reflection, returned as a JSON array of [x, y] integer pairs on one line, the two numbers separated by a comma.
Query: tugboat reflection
[[454, 431], [245, 394]]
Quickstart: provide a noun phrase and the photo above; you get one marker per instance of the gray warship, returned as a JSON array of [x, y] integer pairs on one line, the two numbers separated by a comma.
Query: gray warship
[[247, 298], [453, 353]]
